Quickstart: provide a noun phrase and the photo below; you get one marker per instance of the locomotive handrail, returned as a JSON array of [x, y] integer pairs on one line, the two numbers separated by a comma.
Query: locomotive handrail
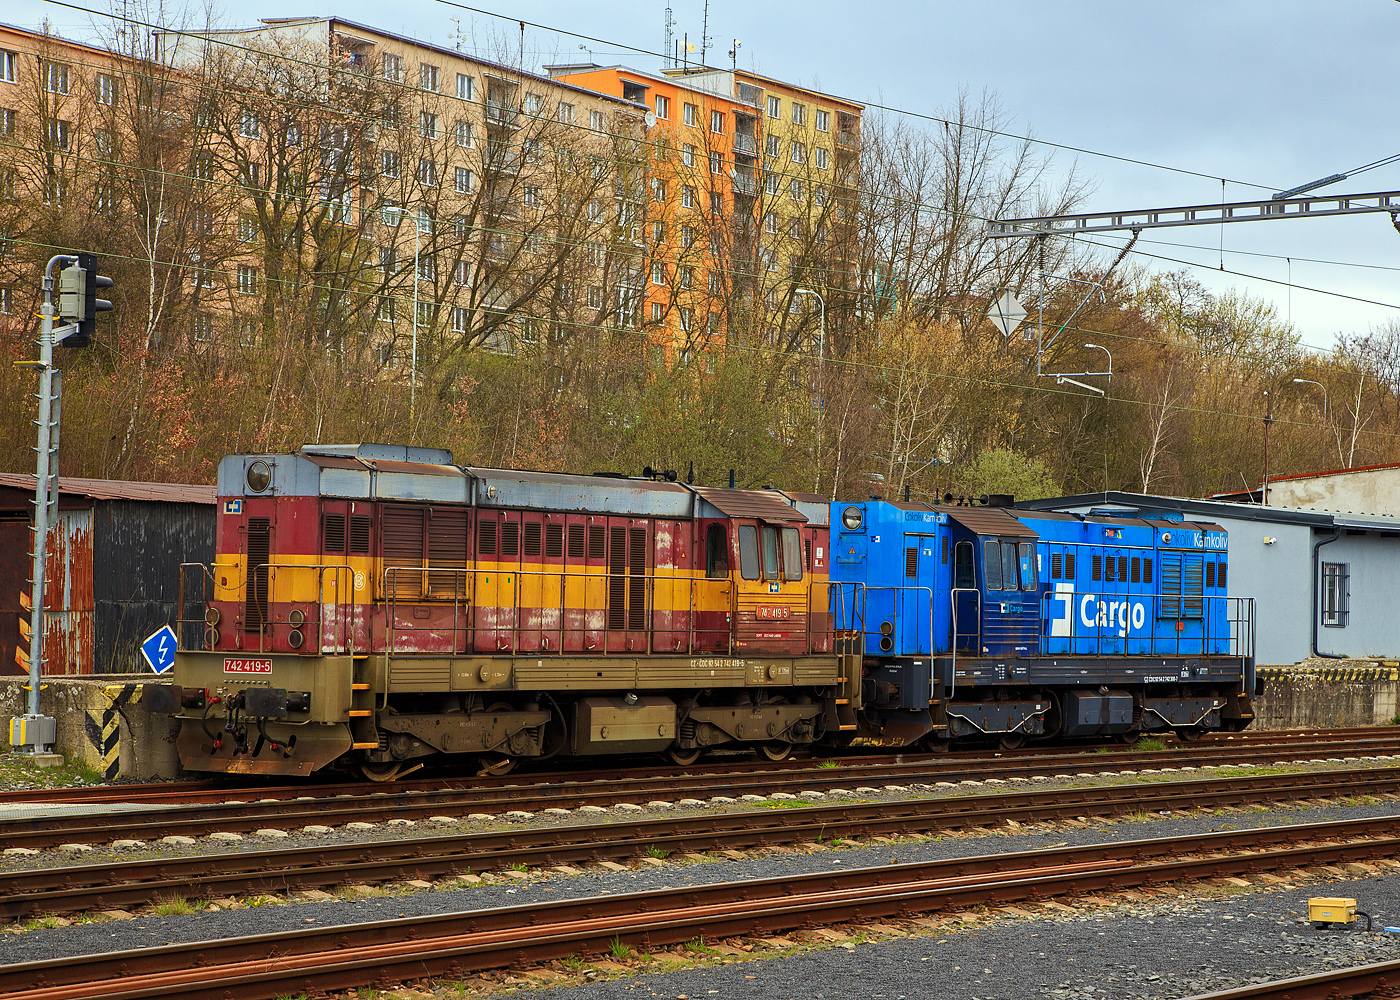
[[953, 645], [1238, 619]]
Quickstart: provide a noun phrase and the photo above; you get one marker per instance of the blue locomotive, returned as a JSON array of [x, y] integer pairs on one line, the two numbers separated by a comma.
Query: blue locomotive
[[989, 622]]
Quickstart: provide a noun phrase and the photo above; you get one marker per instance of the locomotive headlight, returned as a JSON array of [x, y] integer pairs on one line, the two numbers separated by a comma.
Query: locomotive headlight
[[259, 476], [851, 517]]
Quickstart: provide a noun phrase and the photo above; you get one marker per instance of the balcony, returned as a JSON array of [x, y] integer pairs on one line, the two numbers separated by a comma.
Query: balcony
[[501, 113], [746, 144]]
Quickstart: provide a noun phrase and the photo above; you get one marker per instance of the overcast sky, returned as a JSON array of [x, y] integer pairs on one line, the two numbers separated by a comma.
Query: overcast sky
[[1267, 92]]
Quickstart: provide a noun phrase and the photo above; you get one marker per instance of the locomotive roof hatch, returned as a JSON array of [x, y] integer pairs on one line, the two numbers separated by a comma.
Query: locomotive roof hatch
[[764, 505]]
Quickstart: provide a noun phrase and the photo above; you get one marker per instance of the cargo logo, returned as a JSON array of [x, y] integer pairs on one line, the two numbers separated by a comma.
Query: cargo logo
[[246, 665], [1095, 613]]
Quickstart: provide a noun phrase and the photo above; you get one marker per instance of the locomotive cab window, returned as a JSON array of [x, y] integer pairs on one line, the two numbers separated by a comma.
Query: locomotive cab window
[[963, 577], [770, 552], [716, 551], [1008, 566], [1027, 566], [991, 564], [792, 554], [748, 552]]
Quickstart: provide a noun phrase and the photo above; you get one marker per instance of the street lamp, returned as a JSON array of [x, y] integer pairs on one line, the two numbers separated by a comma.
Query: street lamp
[[413, 362], [1326, 418], [1096, 347], [821, 358]]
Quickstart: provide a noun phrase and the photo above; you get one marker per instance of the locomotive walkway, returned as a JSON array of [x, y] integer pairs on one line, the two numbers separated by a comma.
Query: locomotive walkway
[[126, 883], [265, 966]]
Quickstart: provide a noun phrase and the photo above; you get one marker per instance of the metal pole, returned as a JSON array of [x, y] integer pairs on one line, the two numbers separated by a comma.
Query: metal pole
[[413, 363], [1268, 419], [35, 738], [821, 359], [1040, 307]]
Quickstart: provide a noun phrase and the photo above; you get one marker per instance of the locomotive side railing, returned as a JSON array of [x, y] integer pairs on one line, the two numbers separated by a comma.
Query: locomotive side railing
[[1203, 623], [344, 615]]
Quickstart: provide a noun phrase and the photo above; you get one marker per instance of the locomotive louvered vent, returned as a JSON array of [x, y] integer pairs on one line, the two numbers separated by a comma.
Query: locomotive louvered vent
[[1193, 606], [510, 538], [637, 596], [255, 593], [553, 541], [486, 538], [402, 531], [617, 582], [911, 562], [359, 534], [1069, 567], [807, 553], [1171, 586], [1054, 565], [532, 538], [447, 551], [334, 534], [575, 541], [595, 542]]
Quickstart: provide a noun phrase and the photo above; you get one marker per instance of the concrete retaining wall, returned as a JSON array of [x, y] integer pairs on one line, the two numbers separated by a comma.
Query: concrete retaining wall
[[1311, 694], [101, 723]]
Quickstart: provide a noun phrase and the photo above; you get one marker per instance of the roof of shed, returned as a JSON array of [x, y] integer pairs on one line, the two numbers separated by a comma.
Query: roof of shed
[[118, 489]]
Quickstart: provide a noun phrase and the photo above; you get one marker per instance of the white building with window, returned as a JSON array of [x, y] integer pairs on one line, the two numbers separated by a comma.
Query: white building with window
[[1324, 583]]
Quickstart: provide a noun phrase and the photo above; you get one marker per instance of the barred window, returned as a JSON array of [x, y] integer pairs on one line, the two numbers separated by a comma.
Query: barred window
[[1336, 594]]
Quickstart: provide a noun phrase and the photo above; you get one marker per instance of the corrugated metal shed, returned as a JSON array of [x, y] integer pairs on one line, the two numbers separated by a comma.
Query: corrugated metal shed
[[112, 570]]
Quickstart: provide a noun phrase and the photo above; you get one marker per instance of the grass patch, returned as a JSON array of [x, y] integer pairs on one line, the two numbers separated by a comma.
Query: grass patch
[[173, 906], [699, 947], [618, 949], [1150, 744], [832, 763], [655, 852]]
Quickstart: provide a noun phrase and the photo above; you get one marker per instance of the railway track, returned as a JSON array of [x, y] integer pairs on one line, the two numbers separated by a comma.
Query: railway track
[[333, 805], [1377, 980], [1246, 747], [265, 966], [128, 883]]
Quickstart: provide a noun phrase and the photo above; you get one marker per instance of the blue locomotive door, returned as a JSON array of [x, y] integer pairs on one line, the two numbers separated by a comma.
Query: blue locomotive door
[[1114, 615], [1058, 602], [918, 596]]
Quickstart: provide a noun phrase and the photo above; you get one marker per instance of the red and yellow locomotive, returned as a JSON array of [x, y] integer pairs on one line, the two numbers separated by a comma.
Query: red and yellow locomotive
[[374, 605]]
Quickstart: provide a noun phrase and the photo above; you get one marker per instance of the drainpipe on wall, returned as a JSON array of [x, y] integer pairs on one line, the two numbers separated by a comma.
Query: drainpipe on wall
[[1316, 608]]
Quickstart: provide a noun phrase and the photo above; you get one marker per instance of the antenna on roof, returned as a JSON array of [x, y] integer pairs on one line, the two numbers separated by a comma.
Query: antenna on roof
[[705, 33], [734, 55], [666, 49]]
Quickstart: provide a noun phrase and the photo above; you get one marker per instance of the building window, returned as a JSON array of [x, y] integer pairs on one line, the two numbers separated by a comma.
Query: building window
[[658, 312], [823, 121], [387, 262], [391, 67], [462, 273], [596, 121], [685, 276], [7, 121], [465, 135], [9, 67], [687, 237], [427, 77], [533, 104], [772, 146], [4, 302], [688, 155], [692, 115], [531, 195], [799, 113], [247, 229], [427, 267], [596, 254], [247, 280], [595, 296], [464, 87], [566, 113], [427, 125], [658, 232], [388, 163], [775, 107], [203, 328], [658, 189], [795, 189], [716, 162], [106, 90], [248, 125], [799, 152], [56, 78], [663, 108], [59, 134], [687, 317], [595, 210], [425, 313], [658, 274], [1336, 594], [465, 182], [770, 222], [386, 309], [717, 122], [688, 196], [427, 173], [772, 183], [821, 158], [716, 202], [716, 283], [461, 320]]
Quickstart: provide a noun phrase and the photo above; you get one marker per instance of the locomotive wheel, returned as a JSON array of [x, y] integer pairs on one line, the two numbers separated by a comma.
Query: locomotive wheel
[[1128, 738], [934, 744], [684, 757], [381, 772], [1189, 734], [1012, 741], [776, 750]]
